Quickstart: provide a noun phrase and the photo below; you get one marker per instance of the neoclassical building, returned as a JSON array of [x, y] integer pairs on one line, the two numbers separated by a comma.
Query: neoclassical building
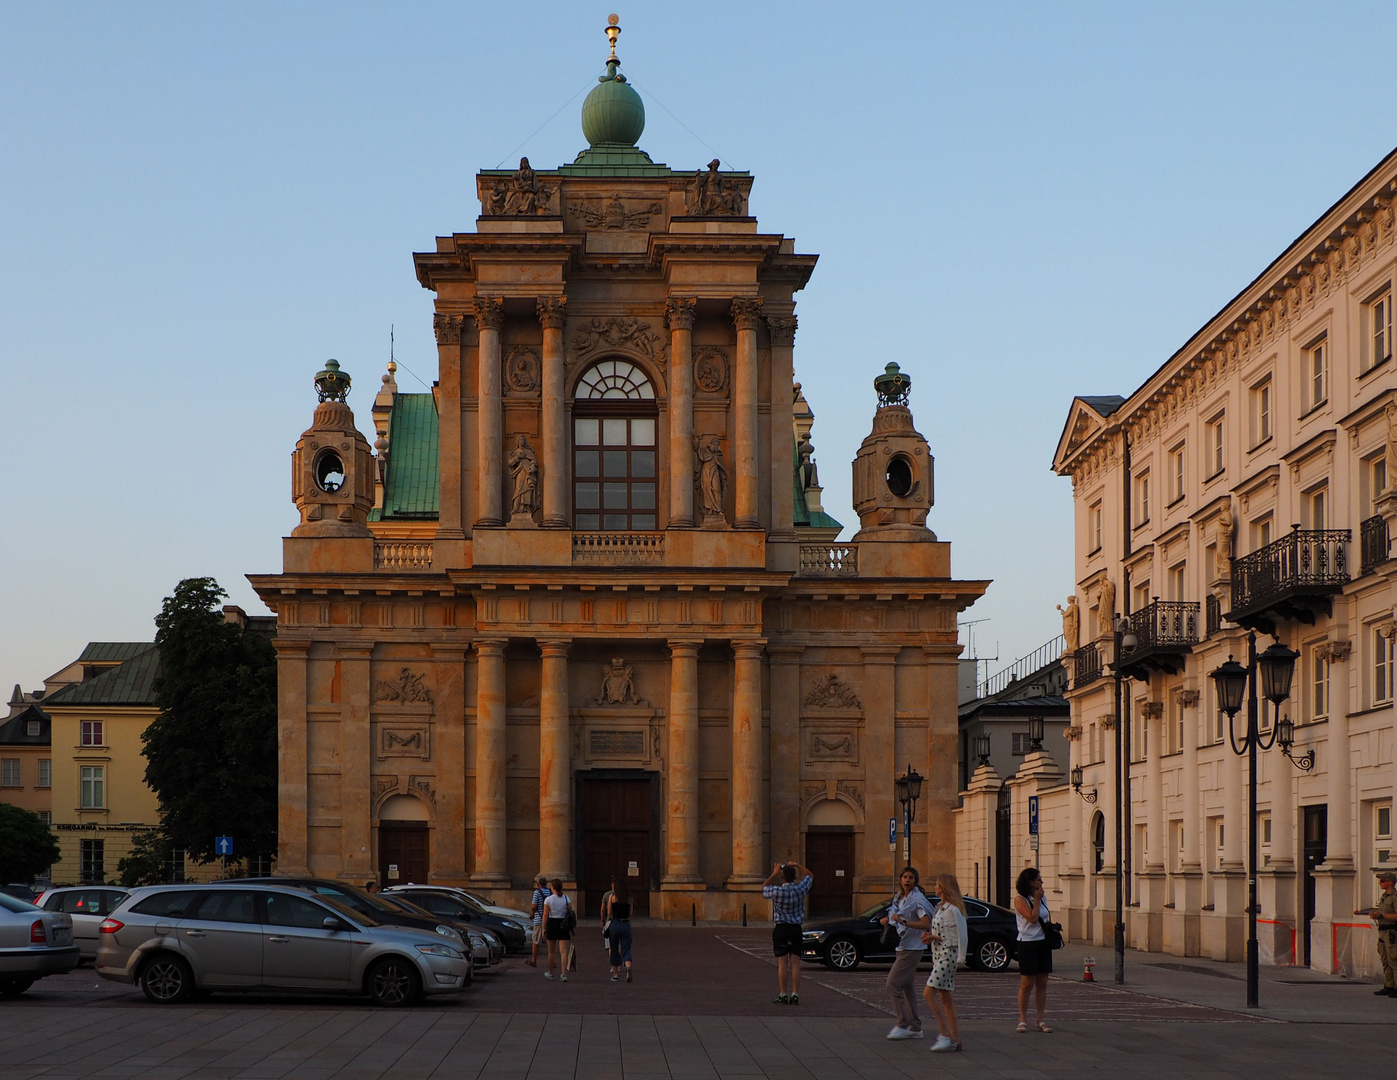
[[578, 610], [1245, 485]]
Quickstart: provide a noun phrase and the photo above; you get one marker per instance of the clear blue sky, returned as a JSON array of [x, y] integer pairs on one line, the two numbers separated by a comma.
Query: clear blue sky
[[199, 204]]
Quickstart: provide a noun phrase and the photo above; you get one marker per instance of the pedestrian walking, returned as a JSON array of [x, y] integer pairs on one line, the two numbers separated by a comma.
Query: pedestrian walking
[[909, 914], [787, 912], [948, 938], [540, 894], [1384, 918], [557, 910], [1035, 954], [605, 918], [618, 917]]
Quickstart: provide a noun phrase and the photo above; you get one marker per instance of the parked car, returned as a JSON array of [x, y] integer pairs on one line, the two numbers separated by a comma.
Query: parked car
[[175, 940], [18, 890], [844, 944], [521, 917], [450, 904], [88, 905], [487, 948], [375, 907], [33, 943]]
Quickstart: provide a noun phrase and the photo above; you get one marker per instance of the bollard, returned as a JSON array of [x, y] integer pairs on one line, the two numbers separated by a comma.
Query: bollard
[[744, 914], [693, 915], [1088, 963]]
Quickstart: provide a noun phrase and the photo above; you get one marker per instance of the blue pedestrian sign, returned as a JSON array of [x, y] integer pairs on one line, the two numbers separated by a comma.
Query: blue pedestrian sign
[[1033, 815], [223, 845]]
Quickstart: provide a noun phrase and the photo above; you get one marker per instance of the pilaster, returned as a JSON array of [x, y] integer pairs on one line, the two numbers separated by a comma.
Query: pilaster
[[554, 762], [782, 331], [292, 805], [682, 862], [356, 752], [552, 313], [489, 318], [748, 854], [448, 859], [679, 316], [747, 318], [880, 770], [490, 865]]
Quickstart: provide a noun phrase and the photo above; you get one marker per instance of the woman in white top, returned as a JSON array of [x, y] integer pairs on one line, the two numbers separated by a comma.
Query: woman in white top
[[1035, 955], [555, 914], [909, 912], [947, 938]]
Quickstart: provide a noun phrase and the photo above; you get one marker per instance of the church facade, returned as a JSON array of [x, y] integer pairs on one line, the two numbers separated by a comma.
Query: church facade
[[578, 610]]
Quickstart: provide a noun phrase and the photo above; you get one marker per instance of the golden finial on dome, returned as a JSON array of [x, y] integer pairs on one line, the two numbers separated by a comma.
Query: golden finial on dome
[[613, 31]]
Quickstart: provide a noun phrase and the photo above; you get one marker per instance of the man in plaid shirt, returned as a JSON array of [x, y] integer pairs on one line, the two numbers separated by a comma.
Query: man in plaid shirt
[[787, 912]]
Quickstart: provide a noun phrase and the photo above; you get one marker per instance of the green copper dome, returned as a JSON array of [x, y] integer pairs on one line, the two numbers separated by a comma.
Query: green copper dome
[[613, 112]]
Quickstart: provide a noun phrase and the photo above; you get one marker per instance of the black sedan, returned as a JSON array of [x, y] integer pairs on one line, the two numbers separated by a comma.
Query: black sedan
[[450, 904], [844, 944]]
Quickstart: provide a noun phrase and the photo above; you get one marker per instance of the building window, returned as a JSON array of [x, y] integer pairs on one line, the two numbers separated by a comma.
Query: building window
[[1316, 507], [1378, 313], [92, 733], [1142, 499], [1175, 581], [1382, 834], [1018, 743], [1382, 667], [1098, 842], [1374, 482], [45, 772], [1140, 596], [9, 772], [1176, 474], [1316, 374], [1263, 828], [613, 458], [34, 728], [1217, 459], [1260, 532], [93, 779], [174, 867], [93, 856], [259, 866], [1260, 412], [1219, 836], [1095, 527], [46, 816], [1318, 684]]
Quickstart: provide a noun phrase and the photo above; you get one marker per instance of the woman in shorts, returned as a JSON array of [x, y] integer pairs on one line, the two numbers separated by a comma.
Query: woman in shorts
[[1035, 955], [555, 929]]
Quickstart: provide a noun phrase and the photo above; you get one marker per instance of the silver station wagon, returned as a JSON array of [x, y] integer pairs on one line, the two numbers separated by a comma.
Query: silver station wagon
[[175, 940]]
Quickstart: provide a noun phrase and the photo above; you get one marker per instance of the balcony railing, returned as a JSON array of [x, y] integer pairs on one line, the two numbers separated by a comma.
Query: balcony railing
[[829, 560], [619, 549], [402, 555], [1373, 542], [1292, 578], [1213, 615], [1165, 631], [1024, 666], [1086, 665]]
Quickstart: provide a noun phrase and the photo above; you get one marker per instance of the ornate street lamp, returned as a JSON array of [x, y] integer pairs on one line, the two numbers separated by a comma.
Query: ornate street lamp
[[1035, 733], [909, 790], [1276, 666], [1125, 643], [1285, 736], [1087, 796], [982, 748]]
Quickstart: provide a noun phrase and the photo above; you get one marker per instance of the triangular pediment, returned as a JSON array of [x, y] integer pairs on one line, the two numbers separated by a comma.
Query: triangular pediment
[[1086, 419]]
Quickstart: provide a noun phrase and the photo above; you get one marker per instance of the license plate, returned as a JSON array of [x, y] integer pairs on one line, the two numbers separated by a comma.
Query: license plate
[[62, 935]]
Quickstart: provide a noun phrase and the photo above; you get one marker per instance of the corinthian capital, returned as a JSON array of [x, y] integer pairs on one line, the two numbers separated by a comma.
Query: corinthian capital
[[489, 313], [448, 328], [679, 312], [747, 312], [553, 312], [782, 329]]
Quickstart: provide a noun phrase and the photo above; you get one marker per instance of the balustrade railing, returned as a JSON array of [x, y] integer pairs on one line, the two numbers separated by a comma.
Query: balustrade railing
[[402, 555], [1086, 665], [829, 560], [1304, 557], [619, 549], [1373, 542], [1165, 623], [1024, 666]]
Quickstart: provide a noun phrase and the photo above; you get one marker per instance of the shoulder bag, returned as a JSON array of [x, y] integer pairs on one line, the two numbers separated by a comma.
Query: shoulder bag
[[1052, 934]]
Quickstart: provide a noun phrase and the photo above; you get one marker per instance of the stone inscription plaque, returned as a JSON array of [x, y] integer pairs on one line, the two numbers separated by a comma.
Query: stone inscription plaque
[[602, 743]]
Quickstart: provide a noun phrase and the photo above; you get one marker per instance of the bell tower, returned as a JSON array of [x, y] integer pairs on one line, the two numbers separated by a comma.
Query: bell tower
[[893, 468], [332, 472]]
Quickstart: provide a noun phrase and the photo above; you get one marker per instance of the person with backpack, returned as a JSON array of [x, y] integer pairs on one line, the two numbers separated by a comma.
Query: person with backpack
[[559, 922]]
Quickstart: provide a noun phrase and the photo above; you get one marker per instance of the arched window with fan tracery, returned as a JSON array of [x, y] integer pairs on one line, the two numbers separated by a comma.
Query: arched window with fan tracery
[[614, 463]]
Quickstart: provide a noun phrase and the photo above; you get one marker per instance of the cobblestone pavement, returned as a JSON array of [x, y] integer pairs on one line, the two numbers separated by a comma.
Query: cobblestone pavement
[[701, 1008]]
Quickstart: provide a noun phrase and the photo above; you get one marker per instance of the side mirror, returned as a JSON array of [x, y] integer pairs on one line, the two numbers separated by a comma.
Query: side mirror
[[332, 923]]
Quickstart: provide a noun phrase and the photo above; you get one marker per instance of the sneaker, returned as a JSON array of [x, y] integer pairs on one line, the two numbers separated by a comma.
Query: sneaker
[[628, 974], [782, 999], [942, 1045], [565, 976], [795, 999], [547, 974], [615, 978], [1385, 991], [916, 1034], [900, 1032]]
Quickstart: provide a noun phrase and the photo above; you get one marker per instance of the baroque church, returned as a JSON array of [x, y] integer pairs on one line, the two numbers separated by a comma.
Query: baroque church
[[579, 610]]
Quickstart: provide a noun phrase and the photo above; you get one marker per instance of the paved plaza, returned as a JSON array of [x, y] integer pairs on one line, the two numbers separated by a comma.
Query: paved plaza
[[701, 1007]]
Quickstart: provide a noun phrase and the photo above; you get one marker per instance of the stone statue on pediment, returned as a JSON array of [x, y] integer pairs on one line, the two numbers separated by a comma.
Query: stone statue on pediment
[[1071, 622], [710, 195], [1226, 530], [523, 474], [1107, 599]]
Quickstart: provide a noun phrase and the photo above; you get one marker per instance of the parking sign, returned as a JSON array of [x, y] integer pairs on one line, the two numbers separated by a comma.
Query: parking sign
[[1033, 815]]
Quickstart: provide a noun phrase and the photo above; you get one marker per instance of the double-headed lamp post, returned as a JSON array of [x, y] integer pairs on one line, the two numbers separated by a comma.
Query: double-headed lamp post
[[1233, 681], [1125, 642], [909, 790]]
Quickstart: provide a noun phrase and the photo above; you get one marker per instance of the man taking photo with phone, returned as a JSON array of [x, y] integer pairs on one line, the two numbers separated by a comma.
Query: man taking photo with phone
[[787, 912]]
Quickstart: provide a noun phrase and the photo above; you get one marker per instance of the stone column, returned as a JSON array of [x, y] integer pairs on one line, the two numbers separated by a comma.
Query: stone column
[[448, 859], [748, 853], [554, 762], [782, 329], [682, 862], [490, 866], [785, 752], [679, 317], [552, 313], [747, 317], [450, 520], [356, 809], [489, 317], [292, 841]]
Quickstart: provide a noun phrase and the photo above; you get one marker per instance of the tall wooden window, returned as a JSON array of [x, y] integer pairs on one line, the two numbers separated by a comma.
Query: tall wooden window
[[614, 463]]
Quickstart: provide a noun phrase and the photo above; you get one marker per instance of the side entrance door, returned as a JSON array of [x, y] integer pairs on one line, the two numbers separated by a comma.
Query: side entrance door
[[1316, 824], [829, 856], [402, 853], [616, 840]]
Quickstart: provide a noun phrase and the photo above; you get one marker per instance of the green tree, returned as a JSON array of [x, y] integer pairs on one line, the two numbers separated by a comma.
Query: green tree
[[145, 865], [211, 754], [27, 847]]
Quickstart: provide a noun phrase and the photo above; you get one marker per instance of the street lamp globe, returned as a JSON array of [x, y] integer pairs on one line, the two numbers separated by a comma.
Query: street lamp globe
[[1077, 778], [1231, 682], [1285, 733], [1035, 732], [901, 783], [1277, 666]]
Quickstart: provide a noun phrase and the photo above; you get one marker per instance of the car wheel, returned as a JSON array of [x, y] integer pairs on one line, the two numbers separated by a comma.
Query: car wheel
[[14, 987], [167, 980], [394, 982], [842, 954], [992, 954]]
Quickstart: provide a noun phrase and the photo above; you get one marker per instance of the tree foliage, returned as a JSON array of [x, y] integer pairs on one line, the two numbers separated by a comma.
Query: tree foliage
[[146, 862], [27, 847], [212, 752]]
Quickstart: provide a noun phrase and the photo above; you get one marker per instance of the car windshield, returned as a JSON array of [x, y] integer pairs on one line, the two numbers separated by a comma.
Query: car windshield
[[361, 917], [407, 907], [351, 897], [876, 911], [14, 903]]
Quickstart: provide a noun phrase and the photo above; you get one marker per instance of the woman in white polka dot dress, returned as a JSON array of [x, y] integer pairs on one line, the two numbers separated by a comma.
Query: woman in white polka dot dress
[[947, 938]]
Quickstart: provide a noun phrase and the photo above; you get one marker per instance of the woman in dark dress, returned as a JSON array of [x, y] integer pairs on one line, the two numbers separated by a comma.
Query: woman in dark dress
[[619, 912]]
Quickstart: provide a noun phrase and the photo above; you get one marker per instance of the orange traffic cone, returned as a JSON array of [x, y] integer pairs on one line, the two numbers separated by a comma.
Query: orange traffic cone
[[1087, 964]]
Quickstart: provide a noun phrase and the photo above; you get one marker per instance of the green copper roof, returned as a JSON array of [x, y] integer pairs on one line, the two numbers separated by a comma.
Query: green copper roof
[[613, 111], [132, 683], [803, 515], [412, 487]]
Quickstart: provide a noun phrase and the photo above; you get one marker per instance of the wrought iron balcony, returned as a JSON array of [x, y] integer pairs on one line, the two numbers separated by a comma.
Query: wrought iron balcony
[[1373, 542], [1293, 578], [1165, 632], [1086, 665]]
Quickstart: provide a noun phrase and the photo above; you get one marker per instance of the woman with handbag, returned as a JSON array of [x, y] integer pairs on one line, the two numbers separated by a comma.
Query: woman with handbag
[[557, 913], [1035, 951]]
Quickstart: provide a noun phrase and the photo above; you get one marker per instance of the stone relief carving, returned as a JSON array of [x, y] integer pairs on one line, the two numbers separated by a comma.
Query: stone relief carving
[[713, 195], [520, 195], [523, 478], [1226, 530], [1186, 699], [618, 332], [404, 742], [1153, 710], [852, 791], [1072, 733], [407, 688], [614, 215], [710, 369], [447, 328], [711, 479], [1071, 622], [832, 692], [618, 684], [832, 746], [521, 370], [423, 786], [655, 742], [383, 785], [1334, 652]]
